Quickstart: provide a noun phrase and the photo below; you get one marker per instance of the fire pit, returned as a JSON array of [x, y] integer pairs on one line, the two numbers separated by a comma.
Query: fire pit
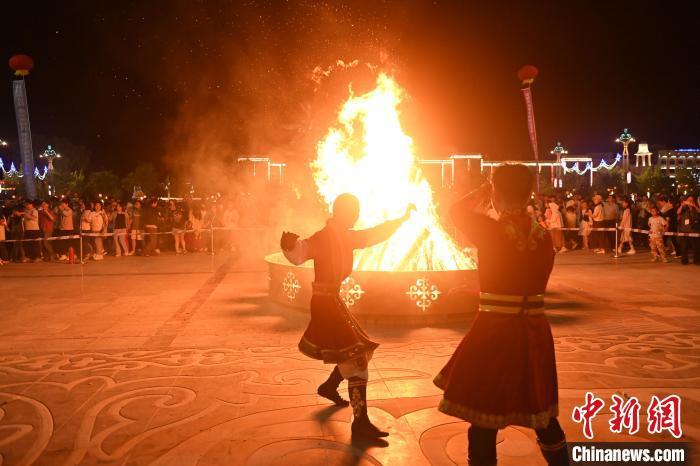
[[412, 297], [420, 273]]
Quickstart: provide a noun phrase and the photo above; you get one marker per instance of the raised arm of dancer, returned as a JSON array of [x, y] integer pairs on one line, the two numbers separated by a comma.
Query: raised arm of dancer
[[382, 232], [297, 251], [469, 215]]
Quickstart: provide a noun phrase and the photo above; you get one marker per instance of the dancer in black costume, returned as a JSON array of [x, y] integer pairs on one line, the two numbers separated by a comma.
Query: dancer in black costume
[[333, 334]]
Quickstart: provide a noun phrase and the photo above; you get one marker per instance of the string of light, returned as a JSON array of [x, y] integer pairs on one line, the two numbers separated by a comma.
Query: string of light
[[14, 173], [589, 166]]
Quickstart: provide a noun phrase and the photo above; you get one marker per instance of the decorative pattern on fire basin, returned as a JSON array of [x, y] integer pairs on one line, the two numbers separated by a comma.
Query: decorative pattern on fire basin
[[380, 293], [350, 291], [424, 293], [291, 286]]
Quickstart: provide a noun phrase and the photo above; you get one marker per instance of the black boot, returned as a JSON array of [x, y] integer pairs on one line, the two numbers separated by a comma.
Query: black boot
[[555, 455], [361, 425], [552, 442], [481, 450], [329, 388]]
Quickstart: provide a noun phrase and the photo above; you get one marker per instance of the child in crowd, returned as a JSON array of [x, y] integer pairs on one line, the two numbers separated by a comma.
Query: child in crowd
[[657, 227], [586, 224], [626, 228]]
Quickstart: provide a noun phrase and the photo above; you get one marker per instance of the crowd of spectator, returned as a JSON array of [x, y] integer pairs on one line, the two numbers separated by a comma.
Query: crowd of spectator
[[622, 225], [70, 229]]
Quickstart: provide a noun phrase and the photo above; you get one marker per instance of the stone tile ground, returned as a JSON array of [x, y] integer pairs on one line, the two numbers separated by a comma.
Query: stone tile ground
[[182, 360]]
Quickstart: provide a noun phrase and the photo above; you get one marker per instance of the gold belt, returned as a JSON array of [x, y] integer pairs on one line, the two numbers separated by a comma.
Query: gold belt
[[325, 289], [511, 304]]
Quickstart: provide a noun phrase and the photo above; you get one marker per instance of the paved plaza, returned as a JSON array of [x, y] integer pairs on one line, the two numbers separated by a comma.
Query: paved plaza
[[175, 360]]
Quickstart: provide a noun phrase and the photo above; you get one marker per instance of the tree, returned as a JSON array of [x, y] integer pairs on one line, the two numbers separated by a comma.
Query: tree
[[145, 176], [687, 180], [651, 180], [68, 181], [103, 182], [545, 182], [579, 184], [603, 180]]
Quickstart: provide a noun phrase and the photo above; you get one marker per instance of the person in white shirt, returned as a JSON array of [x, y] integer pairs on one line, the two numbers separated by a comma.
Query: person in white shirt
[[98, 224], [626, 228], [30, 217], [554, 224], [598, 238], [85, 213], [657, 227]]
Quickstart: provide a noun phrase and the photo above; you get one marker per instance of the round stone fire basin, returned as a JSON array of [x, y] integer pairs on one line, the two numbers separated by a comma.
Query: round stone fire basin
[[417, 297]]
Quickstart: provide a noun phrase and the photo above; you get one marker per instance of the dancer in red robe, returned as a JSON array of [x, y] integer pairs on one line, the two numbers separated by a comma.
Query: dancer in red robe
[[333, 334], [504, 372]]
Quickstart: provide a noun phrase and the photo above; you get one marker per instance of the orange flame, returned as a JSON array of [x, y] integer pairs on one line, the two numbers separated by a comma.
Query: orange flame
[[368, 154]]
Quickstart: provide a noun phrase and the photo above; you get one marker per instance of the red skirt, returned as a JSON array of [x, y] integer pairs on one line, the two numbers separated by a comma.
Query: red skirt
[[333, 334], [502, 373]]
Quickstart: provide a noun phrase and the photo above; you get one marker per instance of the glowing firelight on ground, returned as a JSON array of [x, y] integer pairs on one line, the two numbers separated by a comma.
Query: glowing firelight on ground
[[368, 154]]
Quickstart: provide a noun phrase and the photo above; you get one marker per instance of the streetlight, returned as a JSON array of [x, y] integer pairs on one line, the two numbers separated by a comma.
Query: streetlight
[[559, 151], [49, 154], [626, 138]]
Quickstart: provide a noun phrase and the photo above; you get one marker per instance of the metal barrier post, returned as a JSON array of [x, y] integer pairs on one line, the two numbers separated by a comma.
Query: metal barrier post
[[80, 238], [616, 241], [211, 236]]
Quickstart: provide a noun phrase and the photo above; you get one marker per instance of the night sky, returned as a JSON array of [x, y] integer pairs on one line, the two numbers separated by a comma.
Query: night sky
[[181, 81]]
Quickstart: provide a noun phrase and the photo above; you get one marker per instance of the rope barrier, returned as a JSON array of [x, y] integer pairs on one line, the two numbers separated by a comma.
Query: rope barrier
[[128, 234], [143, 233], [635, 230]]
